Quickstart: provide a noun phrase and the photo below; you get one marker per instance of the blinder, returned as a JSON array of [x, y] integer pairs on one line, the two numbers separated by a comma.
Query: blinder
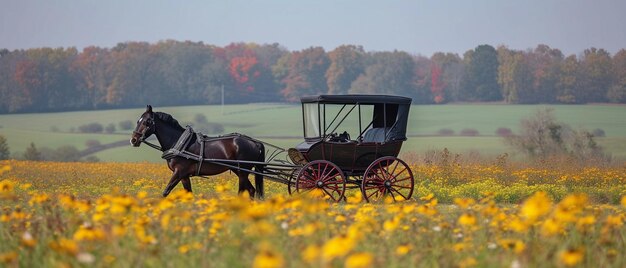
[[149, 125]]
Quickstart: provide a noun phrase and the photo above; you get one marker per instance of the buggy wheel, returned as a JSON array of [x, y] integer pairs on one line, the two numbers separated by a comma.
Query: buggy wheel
[[291, 181], [387, 176], [322, 178]]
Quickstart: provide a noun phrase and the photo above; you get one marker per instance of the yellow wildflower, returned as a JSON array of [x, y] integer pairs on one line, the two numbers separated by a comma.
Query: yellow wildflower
[[467, 220], [571, 257], [402, 250], [514, 245], [88, 233], [268, 259], [551, 227], [38, 199], [66, 246], [6, 187], [585, 222], [623, 201], [464, 202], [337, 246], [614, 221], [535, 207], [311, 254], [468, 262], [8, 257], [359, 260]]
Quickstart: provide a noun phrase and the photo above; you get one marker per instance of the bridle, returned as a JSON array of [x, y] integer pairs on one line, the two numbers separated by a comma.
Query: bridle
[[149, 124]]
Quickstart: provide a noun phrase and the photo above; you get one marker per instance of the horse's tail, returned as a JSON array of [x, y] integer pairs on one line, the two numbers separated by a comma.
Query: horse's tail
[[259, 168]]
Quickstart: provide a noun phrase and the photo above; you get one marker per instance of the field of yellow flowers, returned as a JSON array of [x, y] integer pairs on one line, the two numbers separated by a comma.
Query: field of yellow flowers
[[461, 215]]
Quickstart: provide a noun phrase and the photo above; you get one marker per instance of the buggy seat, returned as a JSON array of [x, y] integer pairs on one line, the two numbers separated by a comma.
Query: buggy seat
[[375, 134]]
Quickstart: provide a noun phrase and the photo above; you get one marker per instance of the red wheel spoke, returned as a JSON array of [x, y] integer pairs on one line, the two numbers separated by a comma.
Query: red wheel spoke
[[369, 196], [329, 194], [323, 174], [401, 186], [395, 176], [379, 177], [393, 171], [336, 187], [328, 177], [393, 189], [403, 179], [392, 196]]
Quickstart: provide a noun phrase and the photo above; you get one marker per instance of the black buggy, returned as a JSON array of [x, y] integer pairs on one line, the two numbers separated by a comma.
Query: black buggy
[[353, 141]]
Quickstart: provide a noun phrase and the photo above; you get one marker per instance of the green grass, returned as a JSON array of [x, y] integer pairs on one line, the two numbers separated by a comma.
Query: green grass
[[281, 124]]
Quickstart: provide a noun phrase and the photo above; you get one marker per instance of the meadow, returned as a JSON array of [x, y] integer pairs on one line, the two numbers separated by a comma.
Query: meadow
[[282, 124], [498, 214]]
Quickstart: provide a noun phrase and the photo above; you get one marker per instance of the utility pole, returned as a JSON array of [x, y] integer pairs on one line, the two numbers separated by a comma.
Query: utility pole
[[222, 99]]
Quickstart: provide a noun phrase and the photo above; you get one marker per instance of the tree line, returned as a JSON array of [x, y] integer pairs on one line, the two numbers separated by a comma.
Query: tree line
[[132, 74]]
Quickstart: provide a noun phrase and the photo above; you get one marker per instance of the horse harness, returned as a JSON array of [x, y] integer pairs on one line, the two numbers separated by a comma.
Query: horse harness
[[180, 147]]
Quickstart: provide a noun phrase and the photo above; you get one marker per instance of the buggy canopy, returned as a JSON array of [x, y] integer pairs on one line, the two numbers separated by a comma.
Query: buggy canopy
[[388, 122]]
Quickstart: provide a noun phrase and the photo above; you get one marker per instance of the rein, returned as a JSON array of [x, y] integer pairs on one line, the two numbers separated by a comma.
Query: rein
[[143, 139]]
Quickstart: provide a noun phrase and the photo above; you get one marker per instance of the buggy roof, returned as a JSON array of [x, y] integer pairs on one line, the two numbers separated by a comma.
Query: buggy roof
[[353, 99]]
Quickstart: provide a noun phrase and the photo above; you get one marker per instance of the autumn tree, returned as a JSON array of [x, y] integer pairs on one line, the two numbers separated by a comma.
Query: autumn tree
[[130, 82], [596, 75], [91, 70], [480, 82], [389, 73], [452, 70], [514, 76], [346, 64], [306, 75], [568, 87], [545, 65], [617, 92]]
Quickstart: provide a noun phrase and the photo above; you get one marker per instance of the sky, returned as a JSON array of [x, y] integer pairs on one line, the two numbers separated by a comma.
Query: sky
[[420, 27]]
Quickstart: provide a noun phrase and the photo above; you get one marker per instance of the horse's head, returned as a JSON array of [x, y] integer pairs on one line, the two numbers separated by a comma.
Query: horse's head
[[145, 127]]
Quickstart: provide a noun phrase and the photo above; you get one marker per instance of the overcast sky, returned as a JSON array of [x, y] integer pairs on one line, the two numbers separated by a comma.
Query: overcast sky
[[418, 27]]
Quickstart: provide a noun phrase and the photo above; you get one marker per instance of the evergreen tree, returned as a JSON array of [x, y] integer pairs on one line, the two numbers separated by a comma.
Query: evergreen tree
[[5, 153], [32, 153]]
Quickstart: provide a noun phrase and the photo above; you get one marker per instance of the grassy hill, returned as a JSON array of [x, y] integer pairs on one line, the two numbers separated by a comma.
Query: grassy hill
[[281, 124]]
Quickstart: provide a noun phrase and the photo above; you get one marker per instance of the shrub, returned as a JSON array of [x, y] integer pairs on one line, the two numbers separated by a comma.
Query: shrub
[[92, 143], [92, 158], [598, 132], [445, 132], [126, 125], [542, 137], [110, 128], [504, 132], [200, 119], [211, 128], [91, 128], [469, 132], [66, 153]]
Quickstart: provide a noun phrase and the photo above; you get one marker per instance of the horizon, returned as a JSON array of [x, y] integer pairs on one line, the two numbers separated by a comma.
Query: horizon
[[419, 28]]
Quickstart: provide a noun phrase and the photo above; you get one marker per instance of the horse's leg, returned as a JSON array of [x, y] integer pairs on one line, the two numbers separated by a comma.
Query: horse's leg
[[244, 183], [176, 177], [186, 183]]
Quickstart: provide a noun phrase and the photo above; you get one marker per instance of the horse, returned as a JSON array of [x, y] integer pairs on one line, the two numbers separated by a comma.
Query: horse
[[235, 147]]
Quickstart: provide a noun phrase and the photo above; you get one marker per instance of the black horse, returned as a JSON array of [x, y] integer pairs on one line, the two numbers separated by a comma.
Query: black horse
[[236, 147]]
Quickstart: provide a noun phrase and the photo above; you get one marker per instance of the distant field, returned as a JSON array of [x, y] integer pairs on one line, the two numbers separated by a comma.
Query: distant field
[[281, 124]]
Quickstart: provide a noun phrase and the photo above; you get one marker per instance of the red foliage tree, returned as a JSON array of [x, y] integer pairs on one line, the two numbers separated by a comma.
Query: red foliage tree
[[437, 85]]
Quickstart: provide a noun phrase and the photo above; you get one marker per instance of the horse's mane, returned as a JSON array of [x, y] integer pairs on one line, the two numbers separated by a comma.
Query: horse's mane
[[167, 119]]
